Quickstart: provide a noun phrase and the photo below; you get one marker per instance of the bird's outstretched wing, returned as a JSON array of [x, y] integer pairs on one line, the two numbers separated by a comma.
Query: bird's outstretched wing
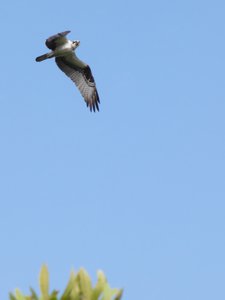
[[56, 40], [82, 77]]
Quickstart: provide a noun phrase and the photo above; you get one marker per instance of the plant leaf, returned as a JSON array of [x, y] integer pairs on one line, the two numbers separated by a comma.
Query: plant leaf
[[75, 292], [44, 282], [34, 296], [119, 294], [53, 295], [85, 285], [98, 289], [12, 297], [109, 293], [19, 295], [69, 287]]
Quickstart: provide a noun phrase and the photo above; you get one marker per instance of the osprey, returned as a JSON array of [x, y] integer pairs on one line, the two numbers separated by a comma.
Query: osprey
[[78, 71]]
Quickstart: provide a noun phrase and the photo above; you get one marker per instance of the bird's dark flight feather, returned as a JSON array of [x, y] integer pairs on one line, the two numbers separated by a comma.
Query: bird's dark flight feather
[[88, 75], [52, 41]]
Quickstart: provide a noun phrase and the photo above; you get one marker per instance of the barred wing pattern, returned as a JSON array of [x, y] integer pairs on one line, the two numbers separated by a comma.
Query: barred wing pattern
[[83, 79]]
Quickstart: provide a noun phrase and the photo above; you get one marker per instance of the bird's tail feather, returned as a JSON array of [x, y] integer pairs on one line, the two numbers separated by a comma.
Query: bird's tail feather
[[44, 56]]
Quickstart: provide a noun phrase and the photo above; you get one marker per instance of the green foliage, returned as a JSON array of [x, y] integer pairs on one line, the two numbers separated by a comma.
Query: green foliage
[[79, 287]]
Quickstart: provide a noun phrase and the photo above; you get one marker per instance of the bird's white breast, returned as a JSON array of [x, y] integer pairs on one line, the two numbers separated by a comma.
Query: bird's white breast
[[64, 49]]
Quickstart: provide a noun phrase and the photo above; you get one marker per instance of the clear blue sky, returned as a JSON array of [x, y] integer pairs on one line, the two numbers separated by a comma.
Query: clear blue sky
[[137, 189]]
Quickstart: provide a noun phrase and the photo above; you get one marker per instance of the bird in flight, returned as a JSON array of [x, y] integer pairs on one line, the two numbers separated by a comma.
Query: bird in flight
[[79, 72]]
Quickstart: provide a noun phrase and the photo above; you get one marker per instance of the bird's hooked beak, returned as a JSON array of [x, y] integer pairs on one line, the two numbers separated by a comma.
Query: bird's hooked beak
[[77, 43]]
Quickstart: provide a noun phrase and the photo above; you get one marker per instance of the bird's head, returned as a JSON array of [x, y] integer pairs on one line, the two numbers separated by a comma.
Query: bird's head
[[75, 44]]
